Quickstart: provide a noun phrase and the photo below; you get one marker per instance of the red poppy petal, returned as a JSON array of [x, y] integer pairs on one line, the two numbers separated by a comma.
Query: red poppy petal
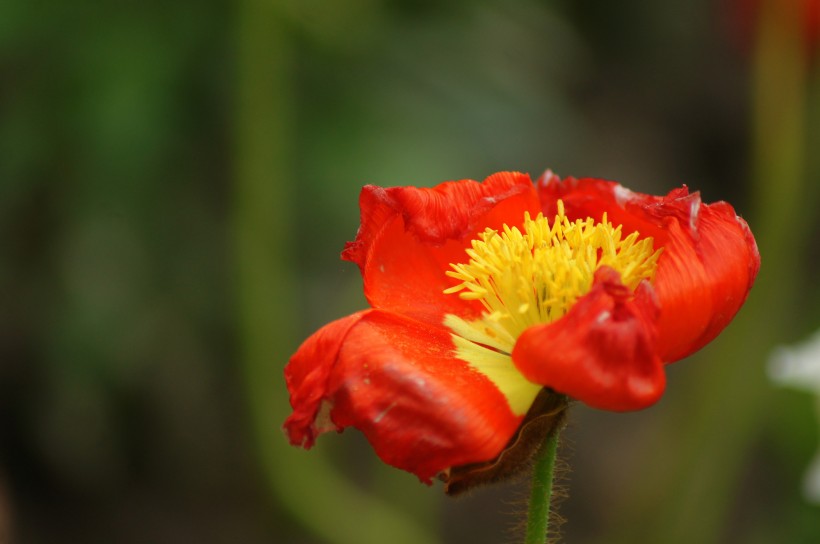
[[409, 236], [590, 197], [703, 278], [397, 380], [708, 266], [602, 352], [709, 260], [307, 376]]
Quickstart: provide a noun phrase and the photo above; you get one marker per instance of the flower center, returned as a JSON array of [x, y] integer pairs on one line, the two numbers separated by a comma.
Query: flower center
[[533, 276]]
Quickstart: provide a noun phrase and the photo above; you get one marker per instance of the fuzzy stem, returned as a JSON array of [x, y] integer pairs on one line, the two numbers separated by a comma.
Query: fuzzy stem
[[541, 495]]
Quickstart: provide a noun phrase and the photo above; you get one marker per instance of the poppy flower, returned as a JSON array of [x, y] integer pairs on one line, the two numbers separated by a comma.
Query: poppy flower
[[492, 303]]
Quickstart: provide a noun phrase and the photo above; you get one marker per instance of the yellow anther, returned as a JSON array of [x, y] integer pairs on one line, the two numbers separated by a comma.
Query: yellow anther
[[535, 274]]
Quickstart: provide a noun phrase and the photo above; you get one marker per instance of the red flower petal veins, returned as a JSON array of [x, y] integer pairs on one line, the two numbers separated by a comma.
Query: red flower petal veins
[[703, 285], [397, 380]]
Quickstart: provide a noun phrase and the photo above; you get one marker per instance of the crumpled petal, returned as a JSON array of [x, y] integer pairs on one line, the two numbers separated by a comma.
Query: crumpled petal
[[602, 352], [703, 278], [307, 377], [428, 400], [396, 380], [709, 262], [409, 236]]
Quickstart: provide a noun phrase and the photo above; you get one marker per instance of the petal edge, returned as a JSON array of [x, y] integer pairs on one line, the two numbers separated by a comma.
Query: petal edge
[[602, 352]]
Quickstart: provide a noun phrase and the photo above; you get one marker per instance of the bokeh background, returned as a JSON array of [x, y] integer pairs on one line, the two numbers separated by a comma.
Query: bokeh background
[[177, 180]]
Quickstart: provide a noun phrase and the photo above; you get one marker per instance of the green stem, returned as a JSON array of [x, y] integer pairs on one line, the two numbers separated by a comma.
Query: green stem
[[305, 485], [541, 495]]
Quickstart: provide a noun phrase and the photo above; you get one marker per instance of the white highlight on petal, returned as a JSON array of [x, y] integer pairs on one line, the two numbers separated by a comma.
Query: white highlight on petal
[[694, 209], [548, 178], [622, 194], [383, 413]]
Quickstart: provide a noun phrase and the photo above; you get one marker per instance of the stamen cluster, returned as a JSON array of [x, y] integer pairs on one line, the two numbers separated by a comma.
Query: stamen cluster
[[535, 276]]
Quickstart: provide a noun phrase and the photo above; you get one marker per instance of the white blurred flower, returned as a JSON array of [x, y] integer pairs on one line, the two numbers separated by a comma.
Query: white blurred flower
[[811, 481], [798, 366]]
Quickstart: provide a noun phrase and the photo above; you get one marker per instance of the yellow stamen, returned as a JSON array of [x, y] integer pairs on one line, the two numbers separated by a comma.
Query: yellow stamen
[[534, 275]]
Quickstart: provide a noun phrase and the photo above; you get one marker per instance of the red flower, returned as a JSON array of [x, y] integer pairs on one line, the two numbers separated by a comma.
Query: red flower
[[485, 294]]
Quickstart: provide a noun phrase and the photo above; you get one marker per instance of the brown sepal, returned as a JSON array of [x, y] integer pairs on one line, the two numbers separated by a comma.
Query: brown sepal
[[546, 415]]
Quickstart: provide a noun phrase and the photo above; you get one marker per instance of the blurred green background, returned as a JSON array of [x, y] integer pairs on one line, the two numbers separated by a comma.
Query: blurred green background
[[177, 180]]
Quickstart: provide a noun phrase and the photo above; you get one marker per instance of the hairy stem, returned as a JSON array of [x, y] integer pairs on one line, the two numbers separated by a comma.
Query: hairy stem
[[541, 494]]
